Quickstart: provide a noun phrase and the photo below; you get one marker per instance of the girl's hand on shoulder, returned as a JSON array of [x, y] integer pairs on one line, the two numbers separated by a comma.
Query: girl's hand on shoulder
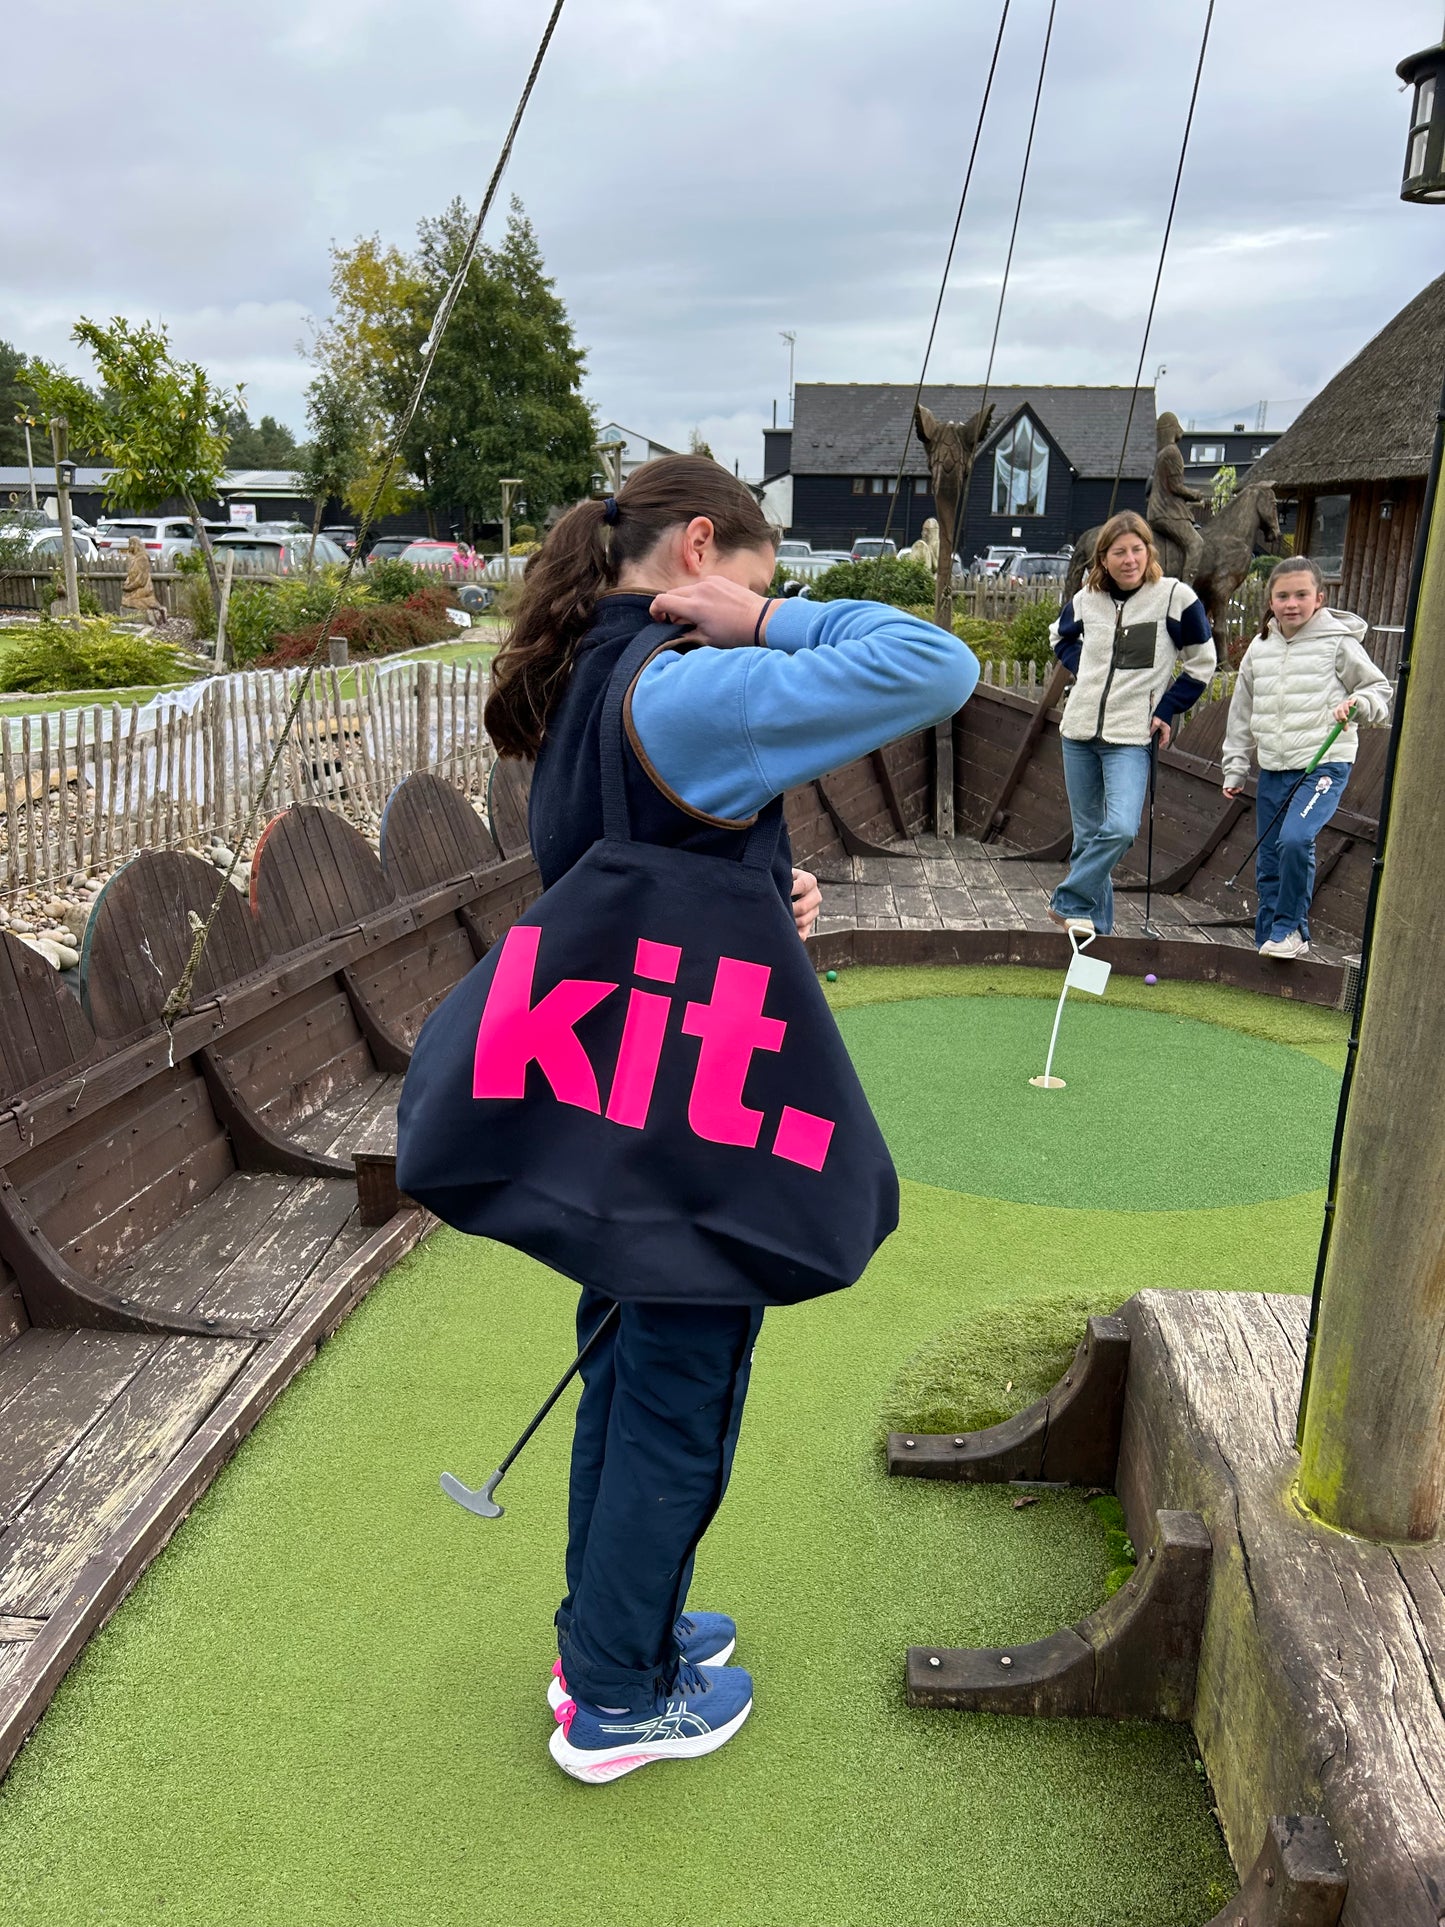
[[722, 612], [807, 901]]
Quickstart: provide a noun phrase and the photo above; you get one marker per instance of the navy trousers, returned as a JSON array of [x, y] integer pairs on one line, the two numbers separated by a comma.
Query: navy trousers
[[657, 1426], [1284, 870]]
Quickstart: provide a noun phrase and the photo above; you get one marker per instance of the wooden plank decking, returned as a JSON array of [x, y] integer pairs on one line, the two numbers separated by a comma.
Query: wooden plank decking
[[956, 883]]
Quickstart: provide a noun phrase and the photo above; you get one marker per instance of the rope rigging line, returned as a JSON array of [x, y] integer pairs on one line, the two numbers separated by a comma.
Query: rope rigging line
[[179, 996], [1018, 204], [1163, 253], [947, 268]]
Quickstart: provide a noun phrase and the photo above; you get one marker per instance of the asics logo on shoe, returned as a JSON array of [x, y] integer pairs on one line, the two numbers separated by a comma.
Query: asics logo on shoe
[[675, 1722]]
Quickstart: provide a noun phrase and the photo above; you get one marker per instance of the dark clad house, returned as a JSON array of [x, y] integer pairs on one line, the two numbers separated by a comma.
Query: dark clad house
[[1355, 463], [1207, 450], [1043, 476]]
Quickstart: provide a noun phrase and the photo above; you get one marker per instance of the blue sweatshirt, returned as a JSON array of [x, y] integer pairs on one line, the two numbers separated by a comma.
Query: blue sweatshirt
[[729, 729]]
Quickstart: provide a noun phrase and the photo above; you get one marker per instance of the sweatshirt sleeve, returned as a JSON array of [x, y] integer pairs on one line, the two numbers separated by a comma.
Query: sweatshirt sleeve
[[1067, 636], [1194, 641], [1366, 684], [726, 730], [1238, 729]]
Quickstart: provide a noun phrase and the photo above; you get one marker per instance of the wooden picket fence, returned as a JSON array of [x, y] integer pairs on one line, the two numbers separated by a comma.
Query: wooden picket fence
[[83, 789], [30, 590]]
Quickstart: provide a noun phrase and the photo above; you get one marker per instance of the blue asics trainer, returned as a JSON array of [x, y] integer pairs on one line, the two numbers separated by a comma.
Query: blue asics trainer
[[700, 1714], [704, 1639]]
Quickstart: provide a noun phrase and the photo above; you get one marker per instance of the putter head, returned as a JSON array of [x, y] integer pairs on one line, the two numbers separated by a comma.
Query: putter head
[[481, 1501]]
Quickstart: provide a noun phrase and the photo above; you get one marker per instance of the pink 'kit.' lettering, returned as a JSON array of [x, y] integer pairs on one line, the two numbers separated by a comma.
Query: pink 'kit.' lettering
[[514, 1032]]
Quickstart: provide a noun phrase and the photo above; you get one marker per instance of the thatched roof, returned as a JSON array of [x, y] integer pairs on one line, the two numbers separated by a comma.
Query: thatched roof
[[1375, 422]]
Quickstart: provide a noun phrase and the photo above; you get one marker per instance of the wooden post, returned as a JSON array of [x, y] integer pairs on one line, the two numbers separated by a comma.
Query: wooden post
[[1373, 1434], [227, 569]]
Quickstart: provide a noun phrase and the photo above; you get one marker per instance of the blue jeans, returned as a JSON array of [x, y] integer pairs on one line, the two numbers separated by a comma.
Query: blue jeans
[[1284, 870], [657, 1426], [1107, 784]]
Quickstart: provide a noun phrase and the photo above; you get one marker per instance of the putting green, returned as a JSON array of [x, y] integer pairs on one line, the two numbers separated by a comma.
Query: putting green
[[1157, 1110], [323, 1705]]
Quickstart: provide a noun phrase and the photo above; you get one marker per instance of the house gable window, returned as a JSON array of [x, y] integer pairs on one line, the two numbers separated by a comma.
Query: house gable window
[[860, 485], [1206, 452], [1021, 471]]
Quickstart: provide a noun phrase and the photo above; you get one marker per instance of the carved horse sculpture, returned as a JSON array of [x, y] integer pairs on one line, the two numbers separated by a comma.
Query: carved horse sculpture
[[950, 447], [1250, 522]]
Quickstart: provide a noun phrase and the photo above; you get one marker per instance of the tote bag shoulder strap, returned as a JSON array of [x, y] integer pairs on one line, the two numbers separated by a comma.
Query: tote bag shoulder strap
[[762, 843]]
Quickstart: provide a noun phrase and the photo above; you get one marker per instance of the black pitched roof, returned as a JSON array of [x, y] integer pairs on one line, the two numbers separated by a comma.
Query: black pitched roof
[[1375, 422], [856, 428]]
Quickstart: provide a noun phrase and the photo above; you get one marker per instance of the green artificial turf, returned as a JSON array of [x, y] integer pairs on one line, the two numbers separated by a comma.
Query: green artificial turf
[[323, 1705], [1158, 1109]]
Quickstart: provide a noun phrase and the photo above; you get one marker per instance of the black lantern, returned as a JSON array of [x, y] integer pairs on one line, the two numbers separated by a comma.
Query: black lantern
[[1425, 155], [65, 474]]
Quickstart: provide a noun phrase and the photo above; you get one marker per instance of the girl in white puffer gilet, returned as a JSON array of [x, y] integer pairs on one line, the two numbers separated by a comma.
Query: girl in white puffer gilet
[[1305, 671]]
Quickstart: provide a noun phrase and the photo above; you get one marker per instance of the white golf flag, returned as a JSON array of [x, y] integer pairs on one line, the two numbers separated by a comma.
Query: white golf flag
[[1088, 973]]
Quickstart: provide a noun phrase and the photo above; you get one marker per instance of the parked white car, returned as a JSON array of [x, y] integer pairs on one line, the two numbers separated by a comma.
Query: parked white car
[[1001, 557], [47, 545], [163, 537]]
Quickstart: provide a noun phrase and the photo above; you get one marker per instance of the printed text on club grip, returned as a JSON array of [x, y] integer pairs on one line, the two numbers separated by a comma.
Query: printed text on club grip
[[514, 1032]]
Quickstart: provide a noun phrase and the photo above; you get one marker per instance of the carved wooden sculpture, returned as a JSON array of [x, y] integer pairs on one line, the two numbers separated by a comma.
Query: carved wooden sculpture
[[951, 447], [1170, 497]]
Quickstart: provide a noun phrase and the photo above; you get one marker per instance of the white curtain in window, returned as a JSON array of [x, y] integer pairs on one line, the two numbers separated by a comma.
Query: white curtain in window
[[1021, 471]]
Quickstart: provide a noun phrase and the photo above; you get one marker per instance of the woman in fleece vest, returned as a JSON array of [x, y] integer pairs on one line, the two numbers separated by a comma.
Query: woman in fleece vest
[[1139, 645], [1306, 670], [783, 692]]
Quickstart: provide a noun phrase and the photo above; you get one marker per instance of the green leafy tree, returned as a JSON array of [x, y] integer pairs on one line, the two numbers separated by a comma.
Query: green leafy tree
[[504, 396], [161, 427], [339, 452], [16, 398], [265, 444], [697, 446], [1223, 488]]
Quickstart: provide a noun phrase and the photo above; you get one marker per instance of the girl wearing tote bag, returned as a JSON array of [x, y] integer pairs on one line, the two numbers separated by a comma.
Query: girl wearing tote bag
[[641, 1084]]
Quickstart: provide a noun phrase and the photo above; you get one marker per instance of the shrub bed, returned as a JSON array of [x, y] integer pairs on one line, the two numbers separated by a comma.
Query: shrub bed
[[89, 654], [371, 629]]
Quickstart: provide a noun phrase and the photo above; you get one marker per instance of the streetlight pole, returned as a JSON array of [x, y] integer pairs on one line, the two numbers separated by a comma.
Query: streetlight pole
[[509, 484], [64, 476], [790, 335], [27, 422]]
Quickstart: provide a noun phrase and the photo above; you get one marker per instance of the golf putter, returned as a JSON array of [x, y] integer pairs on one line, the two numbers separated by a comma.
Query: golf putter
[[479, 1500], [1149, 930]]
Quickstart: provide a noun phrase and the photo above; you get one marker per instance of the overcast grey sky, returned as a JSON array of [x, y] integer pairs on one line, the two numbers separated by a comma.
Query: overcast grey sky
[[702, 175]]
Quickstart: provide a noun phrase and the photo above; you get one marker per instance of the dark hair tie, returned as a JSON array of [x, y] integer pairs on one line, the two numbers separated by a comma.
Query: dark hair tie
[[609, 509]]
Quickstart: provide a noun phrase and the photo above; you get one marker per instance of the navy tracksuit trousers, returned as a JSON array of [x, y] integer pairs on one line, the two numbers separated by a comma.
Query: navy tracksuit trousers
[[657, 1426]]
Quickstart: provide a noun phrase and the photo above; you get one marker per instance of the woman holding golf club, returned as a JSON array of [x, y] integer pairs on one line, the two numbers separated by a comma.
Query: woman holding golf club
[[1140, 649], [1304, 683], [780, 692]]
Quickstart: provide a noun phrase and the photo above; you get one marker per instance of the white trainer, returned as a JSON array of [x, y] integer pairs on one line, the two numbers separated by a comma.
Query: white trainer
[[1286, 948]]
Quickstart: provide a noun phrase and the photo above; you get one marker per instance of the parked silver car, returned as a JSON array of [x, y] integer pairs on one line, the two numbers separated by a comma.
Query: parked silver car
[[279, 554]]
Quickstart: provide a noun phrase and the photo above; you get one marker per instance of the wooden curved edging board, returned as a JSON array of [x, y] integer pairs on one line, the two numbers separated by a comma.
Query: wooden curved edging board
[[1171, 957], [43, 1030], [508, 788], [139, 938], [430, 834]]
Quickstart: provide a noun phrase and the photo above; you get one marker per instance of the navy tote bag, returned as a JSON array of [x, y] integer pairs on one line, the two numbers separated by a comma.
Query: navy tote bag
[[642, 1085]]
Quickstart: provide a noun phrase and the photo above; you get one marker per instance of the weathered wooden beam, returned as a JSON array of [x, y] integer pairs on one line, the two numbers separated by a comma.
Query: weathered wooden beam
[[389, 1052], [997, 814], [1372, 1430], [853, 843], [1070, 1435], [1184, 873], [1298, 1880], [57, 1295], [258, 1145], [1136, 1658]]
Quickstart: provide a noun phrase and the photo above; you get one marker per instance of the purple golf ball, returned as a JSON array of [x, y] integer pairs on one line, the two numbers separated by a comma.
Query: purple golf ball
[[1151, 978]]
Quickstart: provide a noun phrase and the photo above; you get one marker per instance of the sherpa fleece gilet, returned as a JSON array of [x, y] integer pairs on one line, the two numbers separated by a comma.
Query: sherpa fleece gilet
[[1287, 692], [1129, 656]]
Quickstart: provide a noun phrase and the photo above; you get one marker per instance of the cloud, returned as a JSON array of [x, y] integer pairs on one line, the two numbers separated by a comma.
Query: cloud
[[704, 177]]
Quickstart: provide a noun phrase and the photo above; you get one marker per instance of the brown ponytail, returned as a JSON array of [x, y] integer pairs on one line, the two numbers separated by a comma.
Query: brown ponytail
[[581, 560]]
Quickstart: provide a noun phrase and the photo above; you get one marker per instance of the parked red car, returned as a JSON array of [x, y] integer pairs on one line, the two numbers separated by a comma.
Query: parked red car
[[426, 554]]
